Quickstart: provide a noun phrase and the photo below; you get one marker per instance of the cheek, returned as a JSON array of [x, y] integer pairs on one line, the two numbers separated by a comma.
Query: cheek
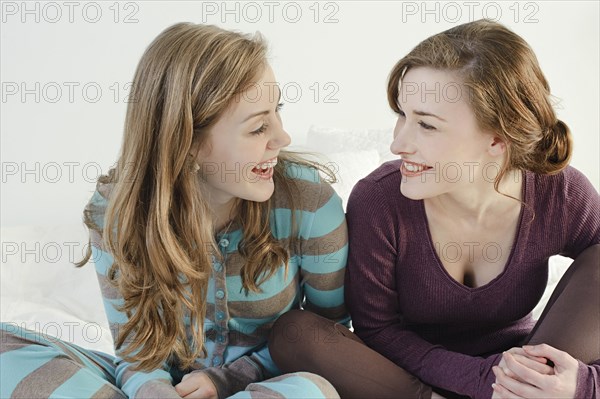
[[244, 158], [239, 153]]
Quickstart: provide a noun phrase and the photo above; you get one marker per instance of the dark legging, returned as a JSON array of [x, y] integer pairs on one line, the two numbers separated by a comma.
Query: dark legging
[[303, 341]]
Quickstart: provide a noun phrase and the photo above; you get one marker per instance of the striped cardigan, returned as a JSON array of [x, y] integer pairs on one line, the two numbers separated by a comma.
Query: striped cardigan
[[237, 324]]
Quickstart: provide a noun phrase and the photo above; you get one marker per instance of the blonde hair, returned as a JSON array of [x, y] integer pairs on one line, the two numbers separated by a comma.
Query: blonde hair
[[506, 90], [158, 226]]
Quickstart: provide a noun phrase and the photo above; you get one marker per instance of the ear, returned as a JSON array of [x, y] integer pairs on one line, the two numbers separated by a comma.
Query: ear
[[496, 147], [199, 149]]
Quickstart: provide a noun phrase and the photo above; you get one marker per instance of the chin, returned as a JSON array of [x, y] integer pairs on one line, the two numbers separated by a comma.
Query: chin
[[416, 191], [260, 192]]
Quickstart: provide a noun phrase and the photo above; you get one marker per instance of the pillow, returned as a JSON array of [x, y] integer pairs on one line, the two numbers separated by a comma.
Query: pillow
[[334, 140], [348, 166], [557, 266], [42, 290]]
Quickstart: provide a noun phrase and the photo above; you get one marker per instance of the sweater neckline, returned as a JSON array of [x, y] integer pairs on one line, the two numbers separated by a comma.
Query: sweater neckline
[[518, 238]]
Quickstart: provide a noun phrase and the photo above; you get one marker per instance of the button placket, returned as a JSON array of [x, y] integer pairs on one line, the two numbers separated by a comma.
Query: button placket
[[221, 311]]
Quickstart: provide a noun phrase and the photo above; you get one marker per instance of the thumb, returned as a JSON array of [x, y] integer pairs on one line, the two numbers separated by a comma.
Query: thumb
[[186, 386]]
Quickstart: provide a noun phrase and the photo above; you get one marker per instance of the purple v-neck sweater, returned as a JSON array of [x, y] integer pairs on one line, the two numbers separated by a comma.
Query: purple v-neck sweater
[[406, 306]]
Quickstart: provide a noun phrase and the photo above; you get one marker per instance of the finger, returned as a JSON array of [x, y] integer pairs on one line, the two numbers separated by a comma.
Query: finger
[[496, 370], [185, 387], [200, 393], [522, 389], [525, 373], [541, 368], [547, 351], [192, 395], [533, 364], [522, 352], [503, 393], [502, 365], [510, 373]]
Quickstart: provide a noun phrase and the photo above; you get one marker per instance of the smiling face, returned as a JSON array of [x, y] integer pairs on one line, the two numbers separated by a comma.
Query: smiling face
[[438, 138], [238, 158]]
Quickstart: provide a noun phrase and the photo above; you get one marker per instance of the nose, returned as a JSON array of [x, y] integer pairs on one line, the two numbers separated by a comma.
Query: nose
[[402, 142], [280, 139]]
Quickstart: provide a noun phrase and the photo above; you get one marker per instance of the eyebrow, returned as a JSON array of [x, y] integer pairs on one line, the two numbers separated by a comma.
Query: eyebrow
[[262, 112], [423, 113]]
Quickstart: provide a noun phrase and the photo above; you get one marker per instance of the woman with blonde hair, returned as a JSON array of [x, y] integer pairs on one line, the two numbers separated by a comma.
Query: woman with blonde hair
[[202, 235], [449, 246]]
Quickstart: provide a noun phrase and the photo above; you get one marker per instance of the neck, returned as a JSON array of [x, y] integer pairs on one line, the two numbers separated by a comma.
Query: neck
[[223, 214], [481, 200], [223, 207]]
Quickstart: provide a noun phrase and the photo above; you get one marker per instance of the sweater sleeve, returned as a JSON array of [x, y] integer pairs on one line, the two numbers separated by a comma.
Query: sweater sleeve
[[237, 375], [588, 381], [582, 204], [135, 384], [372, 299], [324, 253]]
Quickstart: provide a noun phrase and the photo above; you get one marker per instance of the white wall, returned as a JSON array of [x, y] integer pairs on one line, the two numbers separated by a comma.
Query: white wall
[[54, 143]]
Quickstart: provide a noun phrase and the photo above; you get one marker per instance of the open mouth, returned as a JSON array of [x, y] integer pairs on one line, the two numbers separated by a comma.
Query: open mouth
[[264, 170], [410, 169]]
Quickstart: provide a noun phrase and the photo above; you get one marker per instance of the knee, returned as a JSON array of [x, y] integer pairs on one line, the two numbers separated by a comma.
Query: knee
[[295, 385], [324, 386], [296, 317], [289, 325], [589, 260], [290, 336], [593, 251]]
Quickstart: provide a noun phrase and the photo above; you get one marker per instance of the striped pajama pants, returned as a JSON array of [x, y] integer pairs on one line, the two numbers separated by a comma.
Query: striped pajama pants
[[33, 365]]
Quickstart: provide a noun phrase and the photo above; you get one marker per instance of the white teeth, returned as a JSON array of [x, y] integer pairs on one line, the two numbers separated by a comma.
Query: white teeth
[[267, 165], [411, 167]]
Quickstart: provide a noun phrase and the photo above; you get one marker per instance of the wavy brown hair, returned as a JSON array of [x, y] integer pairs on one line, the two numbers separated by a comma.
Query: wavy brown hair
[[158, 225], [506, 90]]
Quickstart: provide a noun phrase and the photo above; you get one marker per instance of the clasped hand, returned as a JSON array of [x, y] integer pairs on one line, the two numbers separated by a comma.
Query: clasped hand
[[525, 373], [196, 386]]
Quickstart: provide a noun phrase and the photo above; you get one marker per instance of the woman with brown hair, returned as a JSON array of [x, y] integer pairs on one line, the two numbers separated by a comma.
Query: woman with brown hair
[[202, 235], [449, 246]]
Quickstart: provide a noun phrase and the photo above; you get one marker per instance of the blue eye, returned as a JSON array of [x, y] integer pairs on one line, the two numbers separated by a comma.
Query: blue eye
[[279, 107]]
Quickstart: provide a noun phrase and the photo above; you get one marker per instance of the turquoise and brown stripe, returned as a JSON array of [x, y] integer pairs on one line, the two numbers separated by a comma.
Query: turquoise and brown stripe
[[236, 324]]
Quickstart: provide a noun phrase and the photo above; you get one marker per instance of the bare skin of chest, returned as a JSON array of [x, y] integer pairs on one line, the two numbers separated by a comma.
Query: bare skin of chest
[[473, 252]]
